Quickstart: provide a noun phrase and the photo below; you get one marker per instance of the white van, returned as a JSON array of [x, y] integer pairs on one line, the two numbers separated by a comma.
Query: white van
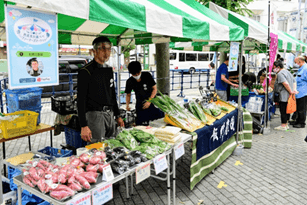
[[189, 61]]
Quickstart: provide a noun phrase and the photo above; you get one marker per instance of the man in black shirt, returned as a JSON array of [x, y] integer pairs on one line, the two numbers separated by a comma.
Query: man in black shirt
[[97, 103], [145, 88]]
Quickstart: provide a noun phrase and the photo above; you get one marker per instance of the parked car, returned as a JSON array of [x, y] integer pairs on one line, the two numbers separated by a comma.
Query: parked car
[[87, 58], [66, 65]]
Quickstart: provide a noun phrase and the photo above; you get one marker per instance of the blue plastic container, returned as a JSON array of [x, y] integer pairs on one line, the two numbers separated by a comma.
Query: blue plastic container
[[34, 109], [12, 172], [26, 199], [56, 152], [73, 138], [21, 99]]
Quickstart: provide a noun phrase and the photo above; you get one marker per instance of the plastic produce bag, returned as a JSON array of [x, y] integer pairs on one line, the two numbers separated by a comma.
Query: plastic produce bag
[[112, 143], [127, 139], [196, 110], [214, 109], [142, 136]]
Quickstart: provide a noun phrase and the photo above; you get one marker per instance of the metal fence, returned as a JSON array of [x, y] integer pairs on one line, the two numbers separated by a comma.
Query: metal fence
[[178, 81]]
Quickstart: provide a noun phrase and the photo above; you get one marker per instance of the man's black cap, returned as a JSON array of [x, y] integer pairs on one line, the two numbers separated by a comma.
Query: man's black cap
[[101, 39]]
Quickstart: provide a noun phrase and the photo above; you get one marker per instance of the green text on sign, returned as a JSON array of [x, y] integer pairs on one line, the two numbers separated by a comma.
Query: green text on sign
[[33, 54]]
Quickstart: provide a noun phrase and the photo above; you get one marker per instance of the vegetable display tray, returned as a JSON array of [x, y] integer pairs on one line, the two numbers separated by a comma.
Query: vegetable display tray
[[210, 119], [225, 104]]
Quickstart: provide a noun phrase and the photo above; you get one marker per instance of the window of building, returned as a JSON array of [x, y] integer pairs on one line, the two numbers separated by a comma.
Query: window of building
[[256, 18]]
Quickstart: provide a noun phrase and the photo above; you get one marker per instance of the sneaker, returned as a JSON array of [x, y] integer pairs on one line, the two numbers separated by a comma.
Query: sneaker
[[299, 126], [281, 128]]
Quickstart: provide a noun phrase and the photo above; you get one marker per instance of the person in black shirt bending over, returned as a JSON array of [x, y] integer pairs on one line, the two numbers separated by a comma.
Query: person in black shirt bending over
[[97, 103], [145, 88]]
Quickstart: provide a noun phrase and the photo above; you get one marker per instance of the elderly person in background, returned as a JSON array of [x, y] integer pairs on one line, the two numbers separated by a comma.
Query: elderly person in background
[[301, 97], [285, 86], [212, 73]]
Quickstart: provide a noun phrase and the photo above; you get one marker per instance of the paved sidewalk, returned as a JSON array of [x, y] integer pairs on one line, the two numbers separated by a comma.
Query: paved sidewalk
[[273, 171]]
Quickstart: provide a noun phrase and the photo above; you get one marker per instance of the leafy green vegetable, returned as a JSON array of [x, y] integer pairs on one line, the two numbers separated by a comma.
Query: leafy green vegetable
[[127, 139], [142, 136], [112, 143], [224, 108]]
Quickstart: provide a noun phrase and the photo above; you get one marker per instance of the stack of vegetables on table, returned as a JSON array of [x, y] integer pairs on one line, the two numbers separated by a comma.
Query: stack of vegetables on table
[[175, 114], [139, 140], [197, 111], [64, 181], [168, 134]]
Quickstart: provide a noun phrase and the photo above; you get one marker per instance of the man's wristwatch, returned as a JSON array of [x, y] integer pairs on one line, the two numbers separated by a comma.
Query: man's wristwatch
[[149, 98]]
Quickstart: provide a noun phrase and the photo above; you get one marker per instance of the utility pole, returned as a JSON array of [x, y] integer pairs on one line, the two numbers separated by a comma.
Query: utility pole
[[304, 23], [298, 31]]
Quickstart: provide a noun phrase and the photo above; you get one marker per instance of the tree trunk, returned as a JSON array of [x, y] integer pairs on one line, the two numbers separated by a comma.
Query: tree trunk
[[223, 56], [163, 73]]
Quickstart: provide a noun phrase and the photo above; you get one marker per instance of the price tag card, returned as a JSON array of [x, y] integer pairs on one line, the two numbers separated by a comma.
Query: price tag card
[[179, 151], [142, 172], [107, 173], [160, 163], [84, 199], [61, 160], [102, 194]]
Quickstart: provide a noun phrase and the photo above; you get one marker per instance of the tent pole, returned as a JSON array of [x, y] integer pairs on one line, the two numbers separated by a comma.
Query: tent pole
[[239, 120], [1, 190], [266, 128], [118, 72]]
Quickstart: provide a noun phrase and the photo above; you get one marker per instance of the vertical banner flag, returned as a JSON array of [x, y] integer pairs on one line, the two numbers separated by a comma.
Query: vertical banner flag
[[32, 48], [233, 57], [273, 50]]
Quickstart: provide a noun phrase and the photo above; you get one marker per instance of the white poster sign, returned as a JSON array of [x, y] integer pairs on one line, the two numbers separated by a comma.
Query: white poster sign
[[32, 48]]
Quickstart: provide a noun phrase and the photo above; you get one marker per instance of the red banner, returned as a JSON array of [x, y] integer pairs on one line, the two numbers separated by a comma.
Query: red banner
[[273, 50]]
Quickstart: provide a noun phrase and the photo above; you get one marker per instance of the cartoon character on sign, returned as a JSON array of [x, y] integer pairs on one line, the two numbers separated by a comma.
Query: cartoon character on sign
[[34, 67], [233, 64]]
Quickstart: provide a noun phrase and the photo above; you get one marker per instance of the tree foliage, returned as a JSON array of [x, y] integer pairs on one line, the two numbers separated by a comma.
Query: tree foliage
[[238, 6], [126, 50]]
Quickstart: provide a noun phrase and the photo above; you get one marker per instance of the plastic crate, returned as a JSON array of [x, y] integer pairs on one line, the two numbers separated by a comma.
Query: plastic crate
[[73, 138], [74, 123], [34, 109], [235, 92], [44, 203], [31, 199], [21, 99], [63, 105], [56, 152], [12, 172], [22, 125]]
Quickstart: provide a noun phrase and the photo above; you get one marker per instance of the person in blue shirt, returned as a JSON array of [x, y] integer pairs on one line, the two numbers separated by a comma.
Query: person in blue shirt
[[301, 96], [221, 80]]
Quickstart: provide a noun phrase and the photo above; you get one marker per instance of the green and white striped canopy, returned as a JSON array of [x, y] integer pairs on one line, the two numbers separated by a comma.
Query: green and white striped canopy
[[257, 31], [144, 21]]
